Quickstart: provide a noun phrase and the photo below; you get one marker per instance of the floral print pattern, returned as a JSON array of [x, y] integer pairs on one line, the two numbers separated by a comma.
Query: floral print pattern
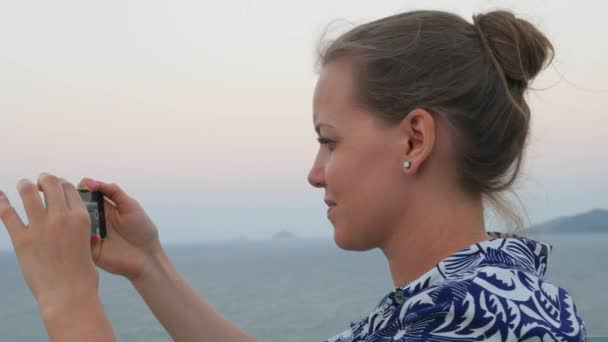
[[490, 291]]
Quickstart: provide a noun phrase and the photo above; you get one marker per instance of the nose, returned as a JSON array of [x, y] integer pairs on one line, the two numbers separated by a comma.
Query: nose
[[316, 176]]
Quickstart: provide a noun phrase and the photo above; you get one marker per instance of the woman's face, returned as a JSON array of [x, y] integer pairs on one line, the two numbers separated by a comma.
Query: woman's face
[[361, 166]]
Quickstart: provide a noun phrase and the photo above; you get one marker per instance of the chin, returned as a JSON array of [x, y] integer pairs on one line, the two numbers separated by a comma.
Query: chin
[[349, 242]]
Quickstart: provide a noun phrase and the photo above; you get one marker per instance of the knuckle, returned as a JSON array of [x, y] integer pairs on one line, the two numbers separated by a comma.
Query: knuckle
[[118, 190], [58, 218], [21, 241]]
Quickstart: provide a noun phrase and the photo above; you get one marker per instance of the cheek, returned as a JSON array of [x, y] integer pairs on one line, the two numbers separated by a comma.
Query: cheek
[[371, 210], [368, 200], [336, 177]]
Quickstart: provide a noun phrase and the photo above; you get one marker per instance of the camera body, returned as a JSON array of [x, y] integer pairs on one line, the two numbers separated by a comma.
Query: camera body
[[95, 205]]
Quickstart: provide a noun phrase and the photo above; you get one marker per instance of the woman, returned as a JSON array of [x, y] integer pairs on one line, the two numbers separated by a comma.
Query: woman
[[421, 116]]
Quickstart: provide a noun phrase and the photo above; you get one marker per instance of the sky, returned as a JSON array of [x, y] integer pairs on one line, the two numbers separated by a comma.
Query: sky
[[202, 111]]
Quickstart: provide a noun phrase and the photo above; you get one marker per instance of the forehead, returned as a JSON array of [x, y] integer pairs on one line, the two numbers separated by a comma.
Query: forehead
[[333, 92]]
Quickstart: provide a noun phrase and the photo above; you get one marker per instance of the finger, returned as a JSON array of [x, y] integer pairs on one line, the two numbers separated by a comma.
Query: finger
[[63, 184], [89, 184], [114, 192], [11, 220], [94, 239], [32, 203], [72, 197], [54, 198], [96, 244], [83, 184]]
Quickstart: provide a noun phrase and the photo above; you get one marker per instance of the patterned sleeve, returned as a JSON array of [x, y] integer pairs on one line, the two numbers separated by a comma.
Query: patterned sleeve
[[479, 310]]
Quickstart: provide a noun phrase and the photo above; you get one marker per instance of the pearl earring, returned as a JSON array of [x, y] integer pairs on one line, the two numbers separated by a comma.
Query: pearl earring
[[407, 164]]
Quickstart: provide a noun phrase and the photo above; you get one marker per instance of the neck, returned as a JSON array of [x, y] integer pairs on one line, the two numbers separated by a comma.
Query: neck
[[431, 231]]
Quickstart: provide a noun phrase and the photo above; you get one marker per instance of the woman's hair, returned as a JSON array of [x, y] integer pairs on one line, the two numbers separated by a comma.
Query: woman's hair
[[472, 76]]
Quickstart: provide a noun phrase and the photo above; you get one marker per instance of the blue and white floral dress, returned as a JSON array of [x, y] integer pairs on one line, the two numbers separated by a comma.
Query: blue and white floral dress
[[490, 291]]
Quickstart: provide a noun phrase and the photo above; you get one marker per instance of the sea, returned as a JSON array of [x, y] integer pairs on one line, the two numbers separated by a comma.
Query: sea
[[296, 290]]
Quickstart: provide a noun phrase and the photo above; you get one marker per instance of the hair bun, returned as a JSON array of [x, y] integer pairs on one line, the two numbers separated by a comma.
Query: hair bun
[[515, 44]]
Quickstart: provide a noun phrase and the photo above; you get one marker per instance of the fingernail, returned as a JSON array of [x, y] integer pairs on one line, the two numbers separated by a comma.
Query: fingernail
[[1, 193], [91, 184], [95, 238]]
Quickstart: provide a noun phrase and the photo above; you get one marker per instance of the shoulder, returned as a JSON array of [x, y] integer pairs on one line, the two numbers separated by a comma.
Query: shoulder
[[494, 303]]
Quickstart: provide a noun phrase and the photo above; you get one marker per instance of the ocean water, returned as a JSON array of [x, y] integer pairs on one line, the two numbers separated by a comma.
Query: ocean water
[[292, 291]]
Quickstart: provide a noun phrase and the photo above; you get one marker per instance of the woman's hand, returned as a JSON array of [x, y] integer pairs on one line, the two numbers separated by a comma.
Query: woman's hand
[[132, 238], [53, 249]]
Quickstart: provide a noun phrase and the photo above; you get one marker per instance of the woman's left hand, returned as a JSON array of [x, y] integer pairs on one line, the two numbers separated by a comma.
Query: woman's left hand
[[53, 249]]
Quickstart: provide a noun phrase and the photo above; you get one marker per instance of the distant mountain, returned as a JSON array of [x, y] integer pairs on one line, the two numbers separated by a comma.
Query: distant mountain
[[594, 221], [284, 235]]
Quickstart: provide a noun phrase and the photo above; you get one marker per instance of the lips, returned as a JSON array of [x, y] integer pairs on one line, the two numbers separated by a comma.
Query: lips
[[330, 203], [331, 206], [330, 210]]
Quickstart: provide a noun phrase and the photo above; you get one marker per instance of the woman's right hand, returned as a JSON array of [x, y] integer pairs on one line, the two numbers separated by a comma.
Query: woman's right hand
[[132, 239], [132, 249]]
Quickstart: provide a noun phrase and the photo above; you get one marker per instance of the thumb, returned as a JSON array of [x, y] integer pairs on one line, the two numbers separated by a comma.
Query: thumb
[[114, 192]]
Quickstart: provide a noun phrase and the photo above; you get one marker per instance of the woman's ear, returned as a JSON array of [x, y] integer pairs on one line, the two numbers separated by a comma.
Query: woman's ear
[[418, 130]]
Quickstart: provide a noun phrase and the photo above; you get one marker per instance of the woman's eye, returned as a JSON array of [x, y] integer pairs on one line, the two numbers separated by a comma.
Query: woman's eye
[[324, 141]]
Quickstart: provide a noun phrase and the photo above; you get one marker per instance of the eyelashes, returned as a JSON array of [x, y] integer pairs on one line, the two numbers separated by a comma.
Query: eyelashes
[[324, 141], [329, 143]]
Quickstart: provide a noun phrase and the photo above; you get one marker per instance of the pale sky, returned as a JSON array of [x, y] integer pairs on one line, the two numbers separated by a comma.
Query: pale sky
[[202, 110]]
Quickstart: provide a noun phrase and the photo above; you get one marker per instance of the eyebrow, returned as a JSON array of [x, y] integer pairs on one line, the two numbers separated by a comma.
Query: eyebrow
[[318, 127]]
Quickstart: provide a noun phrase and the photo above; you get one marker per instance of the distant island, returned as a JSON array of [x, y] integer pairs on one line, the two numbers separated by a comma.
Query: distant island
[[284, 235], [594, 221]]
